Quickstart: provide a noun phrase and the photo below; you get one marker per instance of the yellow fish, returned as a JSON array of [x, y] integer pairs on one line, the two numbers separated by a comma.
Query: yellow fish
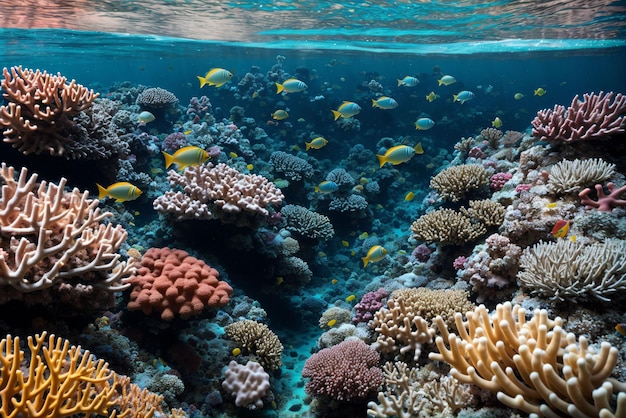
[[409, 196], [188, 131], [233, 154], [186, 156], [293, 85], [279, 280], [561, 228], [280, 115], [236, 351], [350, 298], [364, 235], [215, 77], [496, 123], [347, 110], [250, 167], [376, 253], [255, 94], [399, 154], [334, 281], [384, 103], [446, 80], [331, 323], [551, 205], [539, 92], [408, 81], [432, 96], [345, 243], [518, 96], [121, 191], [316, 143]]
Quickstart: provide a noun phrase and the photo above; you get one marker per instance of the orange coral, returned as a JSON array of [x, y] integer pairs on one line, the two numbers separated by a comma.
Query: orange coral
[[41, 107], [172, 282]]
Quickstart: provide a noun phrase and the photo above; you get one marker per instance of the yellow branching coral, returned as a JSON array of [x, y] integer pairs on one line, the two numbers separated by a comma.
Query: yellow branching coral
[[60, 380], [48, 235], [258, 340], [574, 271], [454, 182], [573, 176], [447, 227], [533, 365], [40, 107], [135, 402]]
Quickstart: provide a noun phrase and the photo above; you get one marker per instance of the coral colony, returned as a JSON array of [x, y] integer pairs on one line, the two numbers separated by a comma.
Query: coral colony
[[496, 295]]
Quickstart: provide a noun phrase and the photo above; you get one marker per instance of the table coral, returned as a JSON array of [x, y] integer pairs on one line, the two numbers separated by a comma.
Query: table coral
[[51, 238], [172, 282], [533, 365], [40, 110], [596, 116]]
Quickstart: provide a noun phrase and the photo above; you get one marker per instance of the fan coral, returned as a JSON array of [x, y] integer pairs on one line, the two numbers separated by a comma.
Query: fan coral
[[594, 117], [49, 238], [258, 340], [344, 372], [307, 223], [446, 227], [172, 282], [40, 110], [533, 365], [454, 182], [568, 270], [569, 176]]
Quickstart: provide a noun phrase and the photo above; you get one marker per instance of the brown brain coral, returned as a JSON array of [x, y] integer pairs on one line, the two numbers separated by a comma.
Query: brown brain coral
[[454, 182]]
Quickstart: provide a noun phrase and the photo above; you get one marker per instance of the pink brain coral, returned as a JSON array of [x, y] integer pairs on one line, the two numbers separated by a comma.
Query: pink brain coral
[[173, 282]]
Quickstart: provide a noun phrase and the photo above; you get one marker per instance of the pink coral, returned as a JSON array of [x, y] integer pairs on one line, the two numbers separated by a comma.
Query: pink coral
[[172, 282], [498, 180], [605, 203], [344, 372], [369, 304], [173, 142], [596, 116]]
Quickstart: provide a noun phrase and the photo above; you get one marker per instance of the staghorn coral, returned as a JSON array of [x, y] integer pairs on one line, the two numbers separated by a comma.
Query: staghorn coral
[[218, 190], [574, 271], [486, 212], [307, 223], [446, 227], [598, 115], [135, 402], [345, 372], [533, 365], [571, 176], [39, 115], [258, 340], [454, 182], [294, 168], [52, 239], [172, 282]]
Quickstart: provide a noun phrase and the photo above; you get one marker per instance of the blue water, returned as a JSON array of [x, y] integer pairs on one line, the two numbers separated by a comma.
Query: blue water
[[494, 49]]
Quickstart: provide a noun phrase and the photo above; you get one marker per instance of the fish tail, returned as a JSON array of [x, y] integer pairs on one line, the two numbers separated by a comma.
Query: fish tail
[[336, 114], [455, 98], [203, 80], [169, 159], [307, 145], [102, 192], [374, 104], [418, 148], [399, 83], [365, 261], [440, 82], [279, 88], [316, 189], [382, 160]]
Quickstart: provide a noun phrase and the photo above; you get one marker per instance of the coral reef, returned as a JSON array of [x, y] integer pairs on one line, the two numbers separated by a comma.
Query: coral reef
[[258, 340], [455, 182], [307, 223], [172, 282], [571, 176], [292, 167], [247, 383], [156, 97], [605, 202], [447, 227]]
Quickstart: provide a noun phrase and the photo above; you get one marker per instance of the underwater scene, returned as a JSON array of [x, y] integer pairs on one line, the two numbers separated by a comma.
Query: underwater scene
[[296, 209]]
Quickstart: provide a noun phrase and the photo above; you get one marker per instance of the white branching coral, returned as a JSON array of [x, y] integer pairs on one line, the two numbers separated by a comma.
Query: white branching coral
[[568, 270], [573, 176], [48, 235]]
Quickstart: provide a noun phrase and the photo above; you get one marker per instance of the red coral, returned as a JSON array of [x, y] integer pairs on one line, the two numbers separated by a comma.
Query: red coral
[[344, 372], [172, 282], [605, 203]]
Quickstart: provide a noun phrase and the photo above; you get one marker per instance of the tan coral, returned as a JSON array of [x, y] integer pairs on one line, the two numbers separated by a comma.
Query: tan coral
[[487, 212], [533, 365], [447, 227], [40, 106], [48, 235], [573, 176], [454, 182], [258, 340]]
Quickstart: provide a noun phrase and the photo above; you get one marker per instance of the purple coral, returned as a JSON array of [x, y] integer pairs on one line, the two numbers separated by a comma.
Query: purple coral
[[369, 304], [498, 180], [174, 142], [605, 203]]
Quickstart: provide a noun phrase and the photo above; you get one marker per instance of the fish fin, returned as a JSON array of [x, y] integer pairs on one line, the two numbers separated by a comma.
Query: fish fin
[[307, 145], [203, 80], [336, 114], [102, 192], [382, 160], [365, 261], [169, 159], [279, 88], [418, 148], [120, 200]]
